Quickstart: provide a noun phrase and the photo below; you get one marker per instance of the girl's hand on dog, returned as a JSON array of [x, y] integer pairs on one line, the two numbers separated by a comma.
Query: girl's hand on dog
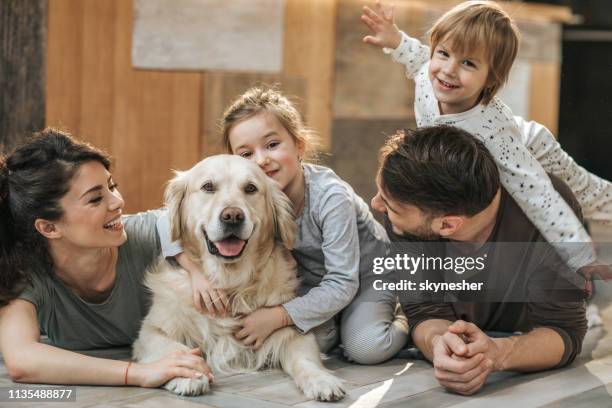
[[257, 326], [208, 298], [381, 23], [184, 364]]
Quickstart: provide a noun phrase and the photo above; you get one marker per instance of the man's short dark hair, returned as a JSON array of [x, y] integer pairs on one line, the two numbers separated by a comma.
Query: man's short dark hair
[[440, 169]]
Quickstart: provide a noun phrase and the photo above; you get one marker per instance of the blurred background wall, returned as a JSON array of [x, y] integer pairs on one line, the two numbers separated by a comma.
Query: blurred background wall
[[81, 70]]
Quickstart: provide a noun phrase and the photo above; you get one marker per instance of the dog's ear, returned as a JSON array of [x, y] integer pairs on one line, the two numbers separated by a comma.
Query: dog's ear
[[173, 197], [284, 221]]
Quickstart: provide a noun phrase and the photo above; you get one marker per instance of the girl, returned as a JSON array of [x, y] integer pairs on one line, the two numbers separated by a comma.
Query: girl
[[338, 239], [72, 267]]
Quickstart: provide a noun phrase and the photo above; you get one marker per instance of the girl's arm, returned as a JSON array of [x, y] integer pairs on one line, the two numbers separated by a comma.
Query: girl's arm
[[385, 34], [206, 297], [338, 223], [340, 246], [593, 193], [526, 181], [29, 361]]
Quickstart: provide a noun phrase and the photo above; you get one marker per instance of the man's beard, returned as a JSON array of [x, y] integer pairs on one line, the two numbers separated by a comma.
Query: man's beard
[[423, 232]]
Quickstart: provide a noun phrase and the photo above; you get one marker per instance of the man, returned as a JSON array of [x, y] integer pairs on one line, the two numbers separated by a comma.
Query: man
[[442, 183]]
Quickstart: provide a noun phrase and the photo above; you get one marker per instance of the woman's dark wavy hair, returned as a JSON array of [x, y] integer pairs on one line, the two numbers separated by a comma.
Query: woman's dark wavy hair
[[442, 170], [33, 179]]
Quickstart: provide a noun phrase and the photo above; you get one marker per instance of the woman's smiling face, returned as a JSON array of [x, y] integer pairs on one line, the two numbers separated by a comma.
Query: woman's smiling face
[[92, 209]]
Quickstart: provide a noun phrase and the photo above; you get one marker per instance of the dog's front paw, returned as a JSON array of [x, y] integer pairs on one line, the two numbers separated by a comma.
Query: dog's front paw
[[188, 386], [323, 387]]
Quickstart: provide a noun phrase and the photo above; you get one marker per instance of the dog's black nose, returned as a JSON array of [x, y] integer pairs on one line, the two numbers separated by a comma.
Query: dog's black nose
[[232, 215]]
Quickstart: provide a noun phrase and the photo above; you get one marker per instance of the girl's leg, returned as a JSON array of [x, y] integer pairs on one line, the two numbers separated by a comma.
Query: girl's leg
[[373, 327], [327, 335]]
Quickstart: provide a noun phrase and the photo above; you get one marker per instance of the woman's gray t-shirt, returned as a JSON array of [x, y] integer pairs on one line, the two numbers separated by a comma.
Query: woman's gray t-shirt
[[72, 323]]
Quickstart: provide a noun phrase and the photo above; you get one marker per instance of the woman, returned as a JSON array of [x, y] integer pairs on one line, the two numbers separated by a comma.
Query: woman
[[72, 266]]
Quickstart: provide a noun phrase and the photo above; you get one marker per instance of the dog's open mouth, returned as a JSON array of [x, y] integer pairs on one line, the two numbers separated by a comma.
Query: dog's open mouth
[[230, 247]]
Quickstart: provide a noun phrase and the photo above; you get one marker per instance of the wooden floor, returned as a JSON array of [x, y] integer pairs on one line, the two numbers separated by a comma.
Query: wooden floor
[[402, 382]]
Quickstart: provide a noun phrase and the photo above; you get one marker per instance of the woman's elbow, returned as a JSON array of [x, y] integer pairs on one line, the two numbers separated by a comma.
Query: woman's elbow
[[18, 368], [17, 372]]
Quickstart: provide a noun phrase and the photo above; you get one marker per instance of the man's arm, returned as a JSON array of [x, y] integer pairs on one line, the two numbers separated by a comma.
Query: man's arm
[[540, 349]]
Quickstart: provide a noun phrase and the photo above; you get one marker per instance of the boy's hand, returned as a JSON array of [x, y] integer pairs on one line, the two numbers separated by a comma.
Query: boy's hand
[[381, 23], [206, 297]]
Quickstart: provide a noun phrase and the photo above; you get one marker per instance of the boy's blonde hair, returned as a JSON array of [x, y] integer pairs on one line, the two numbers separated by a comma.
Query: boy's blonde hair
[[475, 25], [262, 99]]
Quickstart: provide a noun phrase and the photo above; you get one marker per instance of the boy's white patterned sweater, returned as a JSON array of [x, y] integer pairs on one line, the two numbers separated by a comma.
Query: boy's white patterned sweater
[[520, 173]]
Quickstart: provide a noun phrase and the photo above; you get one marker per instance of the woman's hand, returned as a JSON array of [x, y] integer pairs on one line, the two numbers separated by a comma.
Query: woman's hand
[[381, 23], [185, 364]]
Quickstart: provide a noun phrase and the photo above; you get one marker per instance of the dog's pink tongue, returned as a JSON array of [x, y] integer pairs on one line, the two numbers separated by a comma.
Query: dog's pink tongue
[[230, 246]]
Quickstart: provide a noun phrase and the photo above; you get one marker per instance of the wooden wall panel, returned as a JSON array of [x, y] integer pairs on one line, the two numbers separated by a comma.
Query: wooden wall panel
[[369, 85], [544, 94], [310, 30], [148, 120], [22, 69], [236, 35]]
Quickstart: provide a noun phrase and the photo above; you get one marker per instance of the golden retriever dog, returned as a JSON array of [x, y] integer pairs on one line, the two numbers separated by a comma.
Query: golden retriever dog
[[233, 220]]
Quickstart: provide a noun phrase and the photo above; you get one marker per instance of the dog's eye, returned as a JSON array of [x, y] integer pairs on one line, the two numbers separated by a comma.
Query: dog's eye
[[208, 187], [250, 188]]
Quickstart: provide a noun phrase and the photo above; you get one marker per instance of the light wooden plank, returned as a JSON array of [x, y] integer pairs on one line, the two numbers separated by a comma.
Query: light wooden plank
[[225, 400], [544, 390], [354, 376], [544, 94], [94, 394], [244, 382], [310, 29], [364, 375], [597, 397], [383, 392], [283, 392], [63, 92], [98, 73], [237, 35], [167, 400]]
